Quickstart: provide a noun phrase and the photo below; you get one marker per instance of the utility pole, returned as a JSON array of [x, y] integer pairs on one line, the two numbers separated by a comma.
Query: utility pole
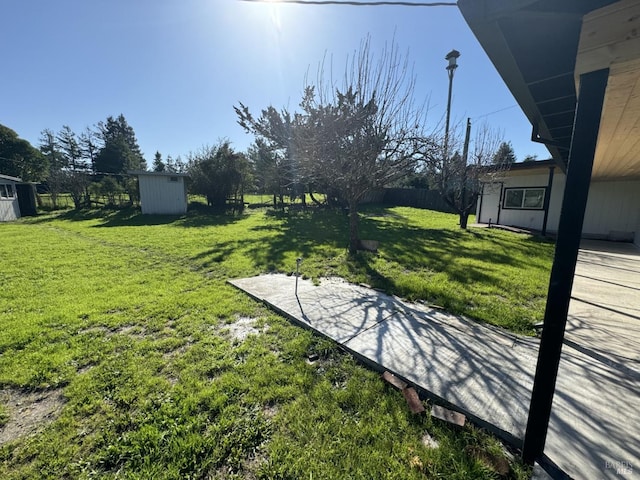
[[452, 58]]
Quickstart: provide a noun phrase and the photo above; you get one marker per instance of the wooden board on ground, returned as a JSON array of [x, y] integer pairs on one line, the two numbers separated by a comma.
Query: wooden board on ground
[[448, 415], [411, 396], [391, 379]]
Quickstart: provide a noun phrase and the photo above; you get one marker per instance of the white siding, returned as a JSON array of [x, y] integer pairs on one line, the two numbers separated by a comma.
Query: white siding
[[487, 211], [613, 208], [160, 195], [524, 218], [531, 219], [9, 208]]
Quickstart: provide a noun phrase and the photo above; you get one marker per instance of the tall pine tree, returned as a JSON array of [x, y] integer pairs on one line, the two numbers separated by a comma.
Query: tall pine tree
[[69, 147], [505, 155], [121, 151]]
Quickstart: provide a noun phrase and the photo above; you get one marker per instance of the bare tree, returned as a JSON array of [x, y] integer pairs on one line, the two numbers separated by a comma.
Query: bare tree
[[367, 131], [458, 177], [356, 135]]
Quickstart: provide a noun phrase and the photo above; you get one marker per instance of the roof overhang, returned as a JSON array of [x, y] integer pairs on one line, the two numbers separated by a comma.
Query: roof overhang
[[540, 48], [491, 172], [12, 179]]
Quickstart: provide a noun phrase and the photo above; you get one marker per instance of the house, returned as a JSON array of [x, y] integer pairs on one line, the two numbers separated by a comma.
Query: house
[[9, 206], [162, 193], [573, 67], [529, 195]]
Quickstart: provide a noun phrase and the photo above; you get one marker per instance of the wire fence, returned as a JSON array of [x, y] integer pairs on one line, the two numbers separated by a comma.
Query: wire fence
[[64, 201], [410, 197]]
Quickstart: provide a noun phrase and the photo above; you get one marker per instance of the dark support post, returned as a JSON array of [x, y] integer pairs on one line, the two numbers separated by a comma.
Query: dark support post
[[583, 145], [547, 201], [479, 219], [500, 202]]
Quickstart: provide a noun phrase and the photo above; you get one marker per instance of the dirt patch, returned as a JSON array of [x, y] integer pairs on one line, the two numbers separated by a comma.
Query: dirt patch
[[134, 331], [270, 411], [29, 412], [429, 442], [94, 330], [252, 464], [248, 469], [242, 328], [86, 369]]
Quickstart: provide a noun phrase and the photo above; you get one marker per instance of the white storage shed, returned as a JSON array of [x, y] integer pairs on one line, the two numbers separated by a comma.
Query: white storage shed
[[9, 207], [162, 193]]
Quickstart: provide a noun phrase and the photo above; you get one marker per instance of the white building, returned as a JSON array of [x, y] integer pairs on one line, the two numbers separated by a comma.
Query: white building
[[162, 193], [573, 67], [530, 194], [9, 207]]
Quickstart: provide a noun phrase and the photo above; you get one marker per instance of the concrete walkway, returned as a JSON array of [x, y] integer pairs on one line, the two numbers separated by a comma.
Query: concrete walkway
[[487, 373]]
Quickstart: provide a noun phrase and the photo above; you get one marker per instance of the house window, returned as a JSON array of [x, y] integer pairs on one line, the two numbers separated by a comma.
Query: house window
[[524, 198], [173, 179], [7, 191]]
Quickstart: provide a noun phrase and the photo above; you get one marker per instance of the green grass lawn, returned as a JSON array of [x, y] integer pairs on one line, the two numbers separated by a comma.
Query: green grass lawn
[[130, 319]]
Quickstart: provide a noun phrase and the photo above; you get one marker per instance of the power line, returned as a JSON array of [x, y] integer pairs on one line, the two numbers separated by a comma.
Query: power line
[[495, 111], [358, 3]]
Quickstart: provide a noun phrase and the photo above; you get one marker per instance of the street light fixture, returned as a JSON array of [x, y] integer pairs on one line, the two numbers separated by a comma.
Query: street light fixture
[[452, 57]]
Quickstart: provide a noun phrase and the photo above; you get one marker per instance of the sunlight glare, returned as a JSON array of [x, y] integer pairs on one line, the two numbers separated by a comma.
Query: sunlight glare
[[275, 15]]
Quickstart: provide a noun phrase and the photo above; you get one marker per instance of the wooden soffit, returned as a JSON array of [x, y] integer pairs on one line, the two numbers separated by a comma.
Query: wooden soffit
[[610, 38]]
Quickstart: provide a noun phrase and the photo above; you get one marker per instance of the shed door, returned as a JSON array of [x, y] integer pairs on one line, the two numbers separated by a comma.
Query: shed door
[[26, 200]]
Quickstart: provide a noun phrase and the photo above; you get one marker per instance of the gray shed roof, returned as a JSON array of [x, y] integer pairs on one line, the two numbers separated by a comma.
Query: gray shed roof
[[7, 177], [156, 174]]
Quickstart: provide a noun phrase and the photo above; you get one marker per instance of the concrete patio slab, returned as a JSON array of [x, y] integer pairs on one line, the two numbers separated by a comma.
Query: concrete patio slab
[[487, 373], [595, 414]]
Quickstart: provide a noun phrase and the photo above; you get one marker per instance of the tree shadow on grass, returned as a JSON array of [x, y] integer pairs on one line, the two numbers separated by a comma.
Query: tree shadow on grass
[[466, 255], [320, 235], [274, 245], [198, 216], [473, 272]]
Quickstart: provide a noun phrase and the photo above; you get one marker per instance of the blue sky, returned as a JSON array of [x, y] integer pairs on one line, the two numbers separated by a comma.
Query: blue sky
[[175, 68]]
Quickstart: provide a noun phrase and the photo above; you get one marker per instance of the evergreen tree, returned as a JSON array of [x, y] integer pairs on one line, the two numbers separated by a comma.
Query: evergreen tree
[[115, 157], [120, 151], [267, 166], [219, 173], [158, 164], [175, 165], [69, 147], [505, 155], [90, 145]]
